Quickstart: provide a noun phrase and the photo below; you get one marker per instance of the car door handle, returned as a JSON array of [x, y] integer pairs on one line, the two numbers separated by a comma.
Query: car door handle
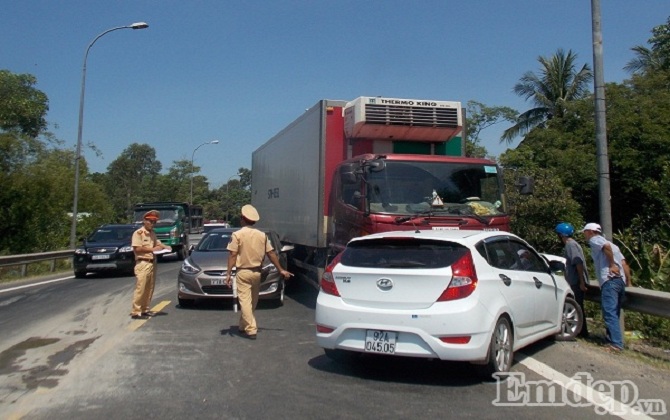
[[505, 279], [537, 281]]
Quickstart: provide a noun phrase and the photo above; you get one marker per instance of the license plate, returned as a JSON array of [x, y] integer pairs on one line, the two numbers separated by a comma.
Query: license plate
[[217, 282], [100, 257], [380, 341], [445, 228]]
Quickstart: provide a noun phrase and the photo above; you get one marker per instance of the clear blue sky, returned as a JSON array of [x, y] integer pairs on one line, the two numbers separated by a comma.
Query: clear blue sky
[[238, 72]]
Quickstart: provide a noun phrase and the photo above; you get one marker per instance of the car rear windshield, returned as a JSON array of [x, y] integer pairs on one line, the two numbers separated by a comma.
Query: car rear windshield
[[402, 253]]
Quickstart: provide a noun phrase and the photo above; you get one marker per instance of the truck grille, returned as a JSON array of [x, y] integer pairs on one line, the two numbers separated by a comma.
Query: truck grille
[[411, 115]]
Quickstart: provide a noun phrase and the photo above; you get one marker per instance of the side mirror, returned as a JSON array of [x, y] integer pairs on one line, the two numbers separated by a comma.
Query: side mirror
[[347, 174], [377, 165], [525, 185], [556, 266]]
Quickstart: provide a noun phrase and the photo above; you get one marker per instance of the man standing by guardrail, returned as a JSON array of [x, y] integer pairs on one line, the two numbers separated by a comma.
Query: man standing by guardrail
[[613, 275]]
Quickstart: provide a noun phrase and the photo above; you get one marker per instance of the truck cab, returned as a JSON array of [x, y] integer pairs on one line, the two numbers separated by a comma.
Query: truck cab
[[172, 228], [376, 193]]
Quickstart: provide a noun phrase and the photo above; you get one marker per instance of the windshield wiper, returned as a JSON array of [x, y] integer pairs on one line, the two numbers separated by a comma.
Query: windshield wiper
[[406, 264], [403, 219]]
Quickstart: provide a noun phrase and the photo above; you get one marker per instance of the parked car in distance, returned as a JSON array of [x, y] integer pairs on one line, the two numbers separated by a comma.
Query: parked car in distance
[[214, 224], [203, 273], [107, 249], [459, 295]]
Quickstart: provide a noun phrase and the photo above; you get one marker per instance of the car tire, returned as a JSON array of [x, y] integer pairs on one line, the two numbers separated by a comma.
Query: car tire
[[501, 350], [342, 356], [80, 274], [572, 320], [186, 303]]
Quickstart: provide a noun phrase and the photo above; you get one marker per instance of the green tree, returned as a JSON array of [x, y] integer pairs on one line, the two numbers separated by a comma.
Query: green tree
[[22, 106], [480, 117], [557, 84], [132, 177], [232, 196], [34, 179], [534, 217], [655, 58]]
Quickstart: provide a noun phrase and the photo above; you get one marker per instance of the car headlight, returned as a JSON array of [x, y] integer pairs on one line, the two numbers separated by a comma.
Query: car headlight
[[127, 248], [80, 251], [189, 268], [270, 268]]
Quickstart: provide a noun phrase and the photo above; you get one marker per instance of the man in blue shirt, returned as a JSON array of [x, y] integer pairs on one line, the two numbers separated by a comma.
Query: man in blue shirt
[[575, 267], [613, 276]]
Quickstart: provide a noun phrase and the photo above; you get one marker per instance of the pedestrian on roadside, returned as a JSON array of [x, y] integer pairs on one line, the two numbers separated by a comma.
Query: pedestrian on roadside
[[575, 268], [613, 276], [144, 243], [248, 246]]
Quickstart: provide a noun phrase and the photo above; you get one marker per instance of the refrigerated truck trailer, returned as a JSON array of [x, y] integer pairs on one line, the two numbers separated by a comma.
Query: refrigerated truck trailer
[[349, 168]]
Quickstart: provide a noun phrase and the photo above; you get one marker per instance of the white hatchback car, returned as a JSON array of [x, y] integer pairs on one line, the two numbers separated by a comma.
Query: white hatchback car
[[458, 295]]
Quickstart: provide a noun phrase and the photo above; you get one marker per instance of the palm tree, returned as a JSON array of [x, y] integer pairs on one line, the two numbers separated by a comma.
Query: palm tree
[[557, 84], [655, 58]]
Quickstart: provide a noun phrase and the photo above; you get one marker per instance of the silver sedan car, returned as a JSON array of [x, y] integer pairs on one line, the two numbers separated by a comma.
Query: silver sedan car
[[203, 273]]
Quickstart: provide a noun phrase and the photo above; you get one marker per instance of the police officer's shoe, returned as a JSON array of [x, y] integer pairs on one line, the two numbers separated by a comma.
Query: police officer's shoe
[[139, 316]]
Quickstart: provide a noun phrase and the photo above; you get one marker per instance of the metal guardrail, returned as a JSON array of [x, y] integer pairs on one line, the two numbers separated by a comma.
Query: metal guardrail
[[23, 260], [645, 301]]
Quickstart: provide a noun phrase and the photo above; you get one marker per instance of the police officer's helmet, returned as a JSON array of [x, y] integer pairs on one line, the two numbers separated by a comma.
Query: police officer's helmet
[[565, 229]]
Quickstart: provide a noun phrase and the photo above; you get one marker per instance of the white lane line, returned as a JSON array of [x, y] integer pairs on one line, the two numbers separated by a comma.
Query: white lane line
[[35, 284], [604, 402]]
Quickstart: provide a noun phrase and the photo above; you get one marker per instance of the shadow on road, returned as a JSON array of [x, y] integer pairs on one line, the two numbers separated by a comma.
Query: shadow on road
[[401, 370]]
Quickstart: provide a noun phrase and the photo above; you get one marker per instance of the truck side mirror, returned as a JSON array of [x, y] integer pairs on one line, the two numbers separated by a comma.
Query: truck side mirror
[[525, 185], [347, 174], [377, 165]]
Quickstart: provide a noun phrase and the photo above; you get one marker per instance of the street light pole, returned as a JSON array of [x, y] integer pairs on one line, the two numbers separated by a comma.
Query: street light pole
[[77, 157], [192, 169]]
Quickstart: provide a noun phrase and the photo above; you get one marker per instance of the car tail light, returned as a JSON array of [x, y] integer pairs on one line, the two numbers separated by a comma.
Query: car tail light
[[324, 329], [463, 281], [327, 280], [456, 340]]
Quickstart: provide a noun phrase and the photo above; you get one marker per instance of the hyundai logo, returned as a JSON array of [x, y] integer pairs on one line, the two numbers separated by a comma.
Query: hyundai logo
[[385, 284]]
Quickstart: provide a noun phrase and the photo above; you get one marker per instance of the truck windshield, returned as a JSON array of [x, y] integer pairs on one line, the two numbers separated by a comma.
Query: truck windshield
[[168, 216], [439, 187]]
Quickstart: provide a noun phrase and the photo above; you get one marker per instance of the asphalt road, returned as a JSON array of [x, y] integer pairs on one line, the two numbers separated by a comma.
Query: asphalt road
[[69, 350]]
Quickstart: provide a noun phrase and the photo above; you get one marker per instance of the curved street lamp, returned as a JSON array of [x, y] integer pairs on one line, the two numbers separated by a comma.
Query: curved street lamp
[[77, 158], [192, 170]]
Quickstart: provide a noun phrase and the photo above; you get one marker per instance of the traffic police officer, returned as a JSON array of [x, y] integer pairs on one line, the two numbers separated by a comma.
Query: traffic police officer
[[144, 243], [248, 246]]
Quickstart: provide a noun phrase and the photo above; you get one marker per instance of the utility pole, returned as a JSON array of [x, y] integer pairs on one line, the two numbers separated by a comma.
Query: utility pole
[[601, 124]]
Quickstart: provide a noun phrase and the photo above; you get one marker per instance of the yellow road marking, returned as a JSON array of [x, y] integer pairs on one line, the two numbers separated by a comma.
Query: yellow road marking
[[136, 323]]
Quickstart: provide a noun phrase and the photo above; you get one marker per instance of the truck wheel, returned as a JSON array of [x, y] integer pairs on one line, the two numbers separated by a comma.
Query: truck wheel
[[80, 274]]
